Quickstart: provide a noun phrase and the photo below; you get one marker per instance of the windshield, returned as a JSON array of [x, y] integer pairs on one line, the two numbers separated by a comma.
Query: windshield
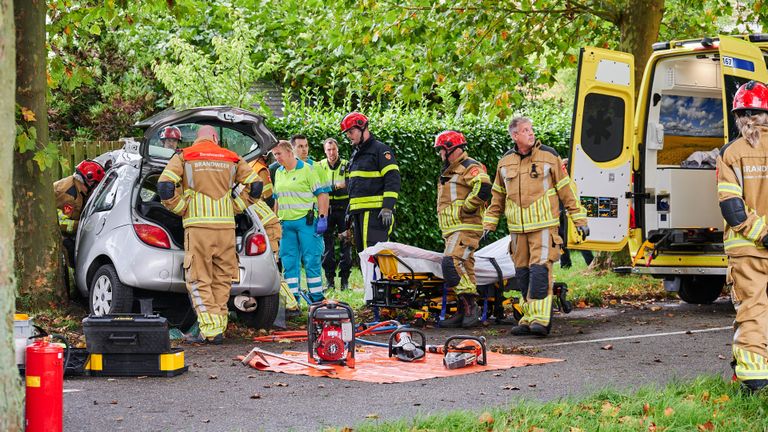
[[231, 137]]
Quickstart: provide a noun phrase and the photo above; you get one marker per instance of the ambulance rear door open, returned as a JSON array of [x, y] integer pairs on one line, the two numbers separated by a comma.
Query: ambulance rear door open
[[741, 61], [601, 147]]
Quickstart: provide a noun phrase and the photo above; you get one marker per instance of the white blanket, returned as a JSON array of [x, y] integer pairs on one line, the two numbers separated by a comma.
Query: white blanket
[[424, 261]]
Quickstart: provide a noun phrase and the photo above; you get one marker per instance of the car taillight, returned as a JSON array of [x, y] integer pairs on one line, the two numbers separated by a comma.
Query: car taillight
[[256, 244], [152, 235]]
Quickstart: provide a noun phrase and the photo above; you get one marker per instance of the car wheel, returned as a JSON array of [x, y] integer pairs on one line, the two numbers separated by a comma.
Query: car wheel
[[265, 313], [107, 294], [700, 289]]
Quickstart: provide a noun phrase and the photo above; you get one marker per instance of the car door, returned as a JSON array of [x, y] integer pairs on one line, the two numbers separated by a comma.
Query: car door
[[94, 218], [741, 62], [602, 143]]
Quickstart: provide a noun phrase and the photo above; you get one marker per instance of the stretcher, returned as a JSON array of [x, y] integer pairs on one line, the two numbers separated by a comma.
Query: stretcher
[[400, 276]]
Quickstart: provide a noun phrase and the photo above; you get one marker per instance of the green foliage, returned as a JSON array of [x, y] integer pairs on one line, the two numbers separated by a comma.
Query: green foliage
[[702, 404], [224, 78], [411, 133]]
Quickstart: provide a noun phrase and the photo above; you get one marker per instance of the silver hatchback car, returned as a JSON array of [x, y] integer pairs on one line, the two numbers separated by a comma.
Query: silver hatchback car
[[131, 248]]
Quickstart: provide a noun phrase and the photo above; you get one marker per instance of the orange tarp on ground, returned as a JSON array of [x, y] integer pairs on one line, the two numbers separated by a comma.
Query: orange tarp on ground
[[373, 365]]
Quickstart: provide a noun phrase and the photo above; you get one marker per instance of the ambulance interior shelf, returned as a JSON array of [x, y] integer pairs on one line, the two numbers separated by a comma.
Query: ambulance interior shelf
[[149, 206]]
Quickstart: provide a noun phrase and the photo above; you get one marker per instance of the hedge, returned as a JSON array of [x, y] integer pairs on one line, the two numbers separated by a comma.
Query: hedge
[[411, 134]]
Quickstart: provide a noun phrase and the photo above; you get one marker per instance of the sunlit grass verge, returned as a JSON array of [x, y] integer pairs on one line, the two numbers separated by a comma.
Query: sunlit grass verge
[[705, 404]]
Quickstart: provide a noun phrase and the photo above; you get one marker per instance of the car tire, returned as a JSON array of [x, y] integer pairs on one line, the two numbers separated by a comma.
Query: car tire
[[107, 294], [701, 289], [265, 313]]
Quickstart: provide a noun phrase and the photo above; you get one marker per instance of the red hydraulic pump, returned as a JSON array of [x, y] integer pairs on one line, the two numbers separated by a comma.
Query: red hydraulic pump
[[45, 386]]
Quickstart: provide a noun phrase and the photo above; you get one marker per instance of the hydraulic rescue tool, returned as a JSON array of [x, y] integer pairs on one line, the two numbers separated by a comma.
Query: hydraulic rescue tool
[[330, 333], [403, 346], [461, 351]]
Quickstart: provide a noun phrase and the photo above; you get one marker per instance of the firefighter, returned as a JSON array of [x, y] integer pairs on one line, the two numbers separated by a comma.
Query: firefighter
[[742, 183], [170, 137], [197, 184], [334, 168], [264, 206], [462, 190], [529, 180], [373, 182], [297, 189], [71, 195]]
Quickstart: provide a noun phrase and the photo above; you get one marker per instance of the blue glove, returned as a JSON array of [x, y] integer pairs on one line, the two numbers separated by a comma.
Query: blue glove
[[322, 225]]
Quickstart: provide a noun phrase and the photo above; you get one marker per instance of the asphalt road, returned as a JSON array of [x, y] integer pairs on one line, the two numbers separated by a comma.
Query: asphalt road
[[649, 345]]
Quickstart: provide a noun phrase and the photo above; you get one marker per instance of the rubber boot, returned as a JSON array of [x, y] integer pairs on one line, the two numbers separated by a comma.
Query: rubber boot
[[457, 318], [520, 330], [539, 330], [471, 311]]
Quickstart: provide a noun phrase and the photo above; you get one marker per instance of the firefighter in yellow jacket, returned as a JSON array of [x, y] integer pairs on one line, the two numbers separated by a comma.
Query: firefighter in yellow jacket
[[527, 188], [197, 184], [71, 194], [462, 190], [742, 185], [263, 207]]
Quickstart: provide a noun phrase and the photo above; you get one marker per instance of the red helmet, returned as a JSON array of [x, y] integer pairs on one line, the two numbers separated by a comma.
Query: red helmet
[[170, 132], [354, 119], [751, 96], [90, 172], [449, 140]]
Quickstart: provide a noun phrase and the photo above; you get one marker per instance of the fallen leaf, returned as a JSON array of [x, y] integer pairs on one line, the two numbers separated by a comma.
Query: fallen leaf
[[607, 347], [206, 420], [652, 427], [28, 114], [646, 408], [581, 304], [511, 387], [497, 374], [113, 402], [705, 395], [654, 309], [721, 357], [213, 377], [574, 429], [722, 399], [118, 419], [280, 384], [255, 396], [347, 429], [609, 409], [668, 411], [486, 418], [708, 426], [531, 385], [372, 416]]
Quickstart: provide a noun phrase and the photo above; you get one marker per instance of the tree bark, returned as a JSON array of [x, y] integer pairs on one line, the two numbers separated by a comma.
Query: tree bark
[[10, 382], [639, 24], [38, 250]]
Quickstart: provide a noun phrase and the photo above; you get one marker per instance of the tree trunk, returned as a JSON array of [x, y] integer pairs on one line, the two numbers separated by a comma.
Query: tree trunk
[[639, 24], [10, 382], [38, 250]]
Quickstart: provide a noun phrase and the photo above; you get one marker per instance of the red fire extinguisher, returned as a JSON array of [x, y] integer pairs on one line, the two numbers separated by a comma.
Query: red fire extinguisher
[[45, 386]]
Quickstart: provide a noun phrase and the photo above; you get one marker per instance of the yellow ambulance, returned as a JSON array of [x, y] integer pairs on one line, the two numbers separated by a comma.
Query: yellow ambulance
[[644, 165]]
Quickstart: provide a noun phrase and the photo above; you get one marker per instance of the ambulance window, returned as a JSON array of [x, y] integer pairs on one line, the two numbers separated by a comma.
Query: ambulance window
[[602, 134]]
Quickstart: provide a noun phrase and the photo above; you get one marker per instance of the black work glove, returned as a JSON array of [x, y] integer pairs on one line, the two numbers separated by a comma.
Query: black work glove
[[256, 189], [765, 241], [583, 231], [385, 216]]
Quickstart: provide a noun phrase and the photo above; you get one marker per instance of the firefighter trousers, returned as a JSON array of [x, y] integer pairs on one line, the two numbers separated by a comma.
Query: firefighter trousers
[[459, 261], [274, 234], [533, 254], [336, 226], [369, 230], [300, 246], [748, 278], [210, 267]]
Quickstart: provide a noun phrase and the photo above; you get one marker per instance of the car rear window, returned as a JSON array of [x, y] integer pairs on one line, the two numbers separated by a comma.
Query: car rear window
[[230, 138]]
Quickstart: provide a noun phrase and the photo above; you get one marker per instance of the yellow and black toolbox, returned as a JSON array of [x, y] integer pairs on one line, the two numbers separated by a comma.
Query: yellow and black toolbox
[[130, 345]]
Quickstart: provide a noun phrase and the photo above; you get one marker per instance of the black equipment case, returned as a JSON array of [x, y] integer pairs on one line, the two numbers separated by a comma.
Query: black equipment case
[[126, 334]]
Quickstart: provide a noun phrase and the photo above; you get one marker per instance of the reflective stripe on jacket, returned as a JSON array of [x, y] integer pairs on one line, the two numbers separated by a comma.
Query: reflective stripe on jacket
[[527, 189], [373, 177], [296, 190], [459, 204], [207, 174], [742, 174], [333, 175]]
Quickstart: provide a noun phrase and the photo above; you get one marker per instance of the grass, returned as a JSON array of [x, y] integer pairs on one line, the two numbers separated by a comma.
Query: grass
[[704, 404]]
